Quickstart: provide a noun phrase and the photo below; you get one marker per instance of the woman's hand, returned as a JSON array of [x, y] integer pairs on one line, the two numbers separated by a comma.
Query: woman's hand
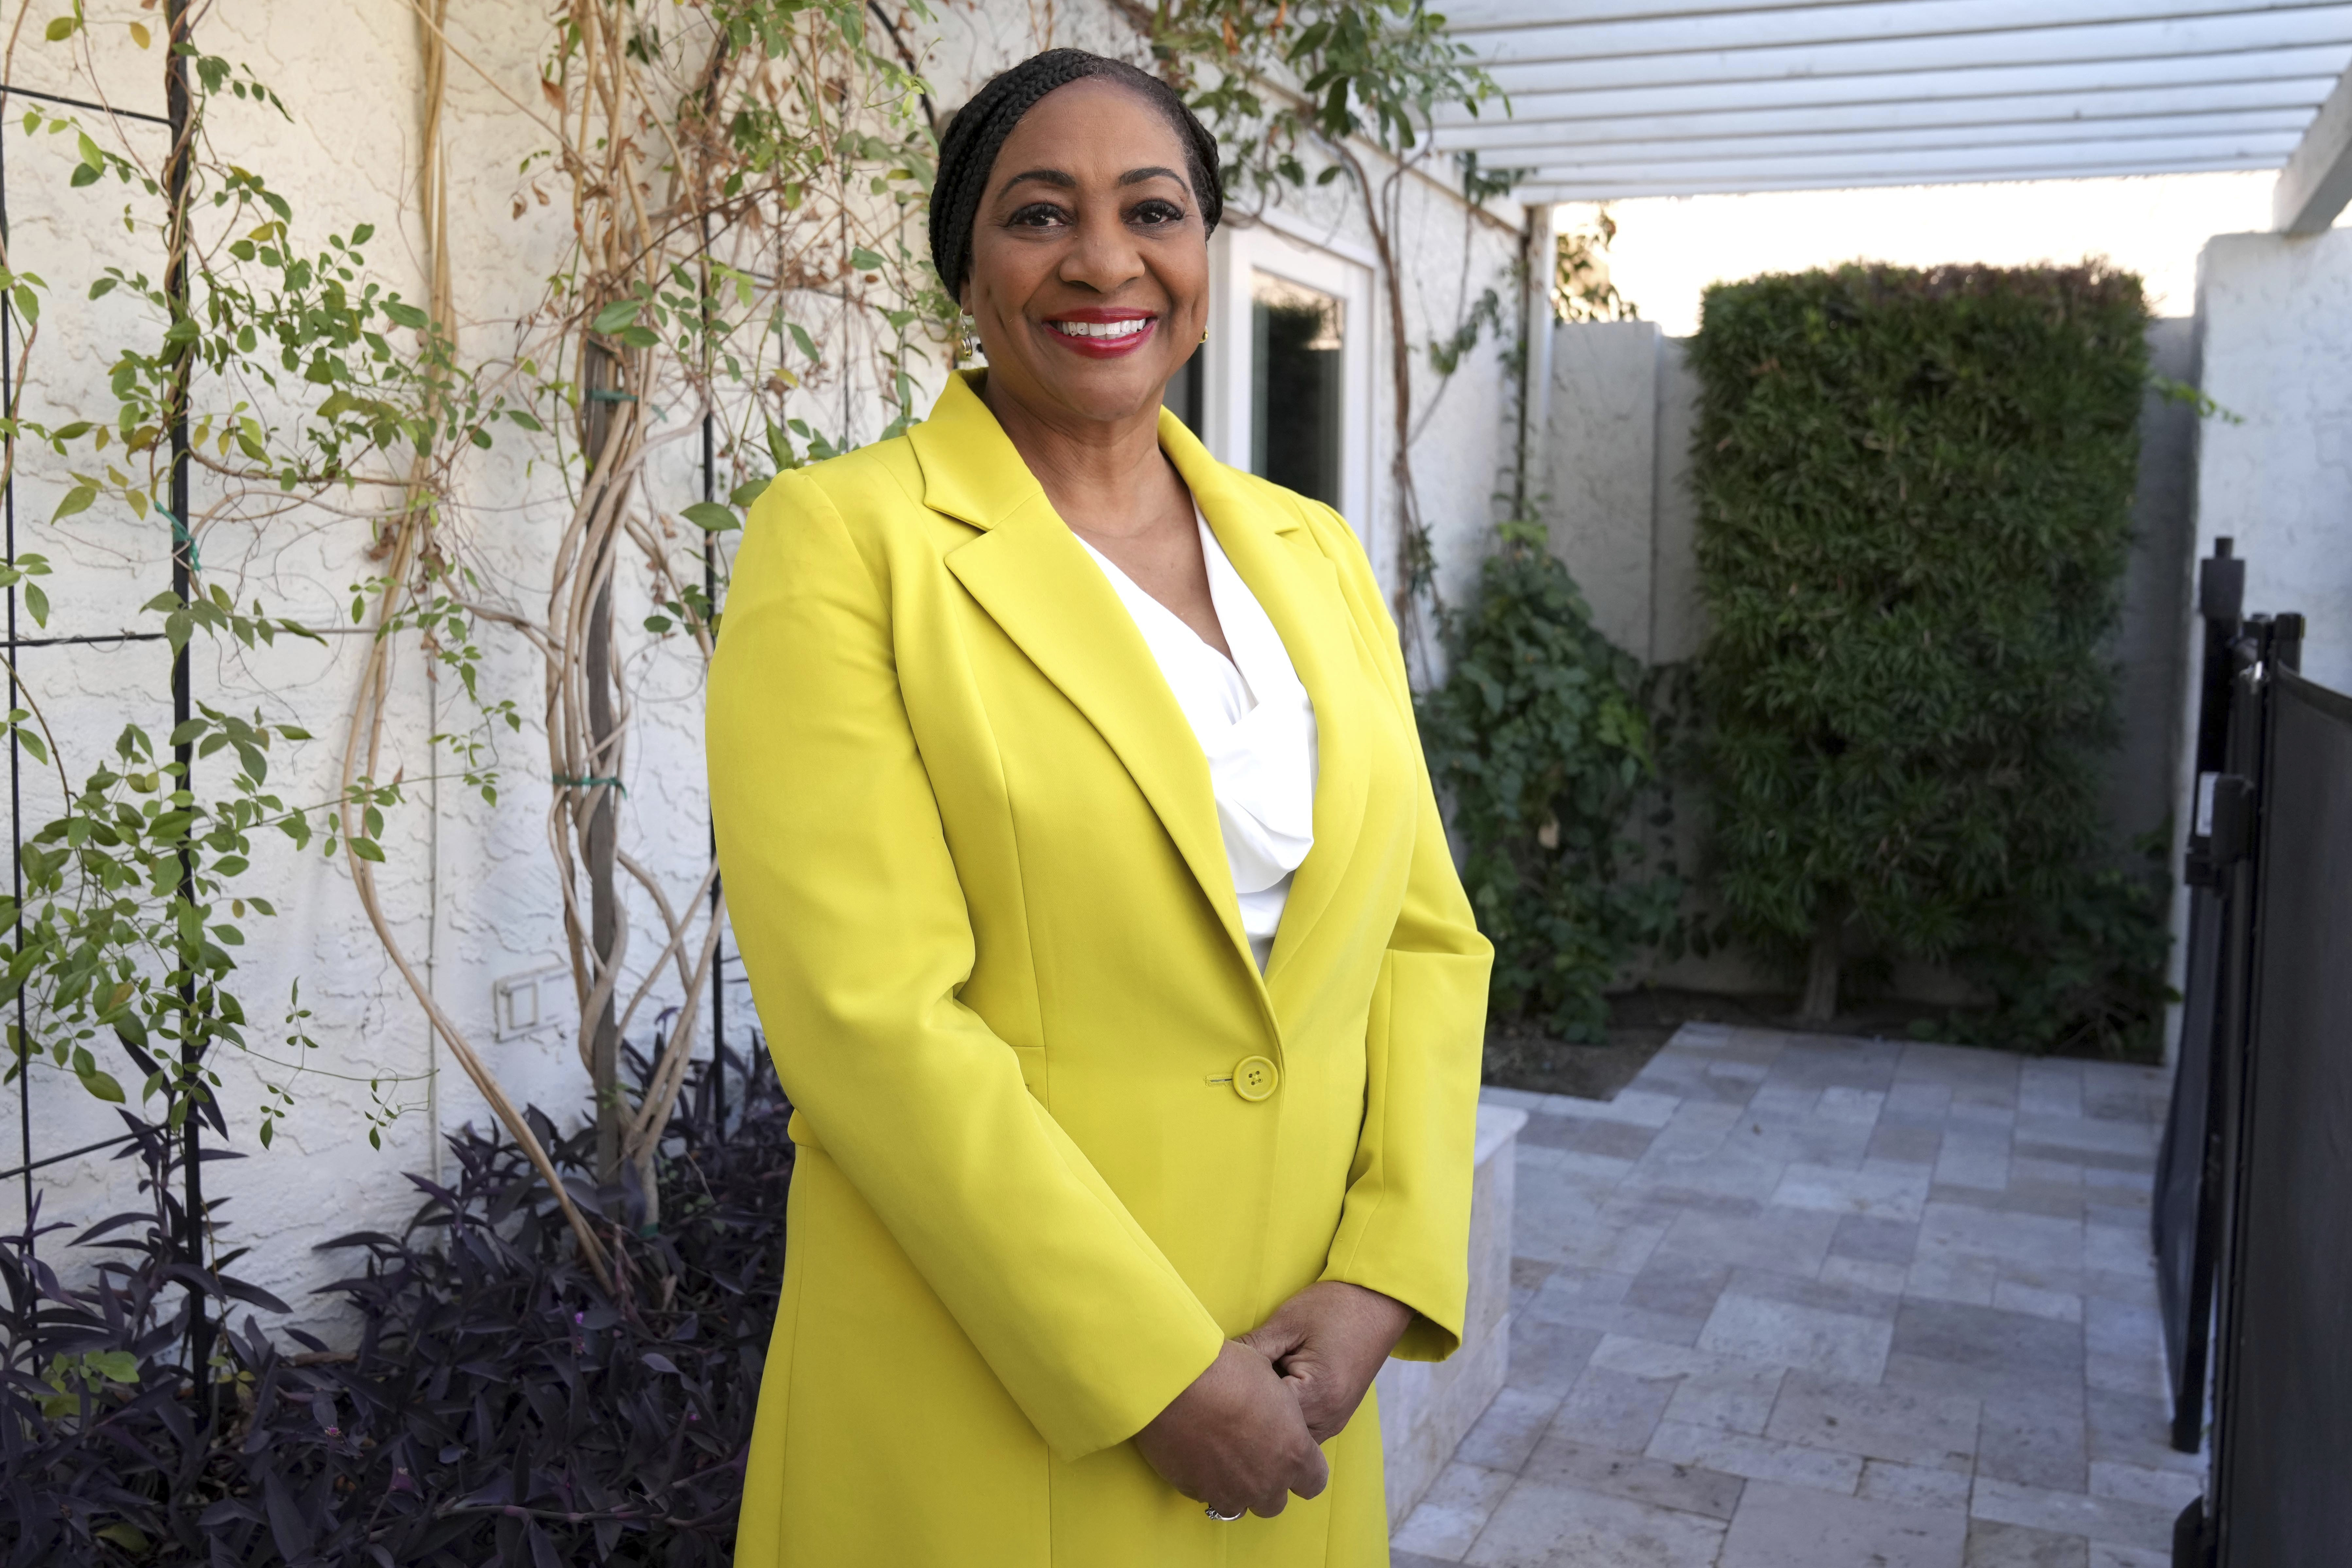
[[1235, 1439], [1328, 1342]]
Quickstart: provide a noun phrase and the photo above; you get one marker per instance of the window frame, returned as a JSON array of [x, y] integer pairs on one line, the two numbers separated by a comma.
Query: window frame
[[1280, 248]]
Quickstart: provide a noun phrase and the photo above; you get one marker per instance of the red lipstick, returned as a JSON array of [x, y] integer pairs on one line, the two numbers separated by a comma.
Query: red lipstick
[[1102, 331]]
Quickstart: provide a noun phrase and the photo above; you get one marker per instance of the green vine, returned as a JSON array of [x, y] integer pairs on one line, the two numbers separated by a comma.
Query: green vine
[[1275, 78], [123, 948]]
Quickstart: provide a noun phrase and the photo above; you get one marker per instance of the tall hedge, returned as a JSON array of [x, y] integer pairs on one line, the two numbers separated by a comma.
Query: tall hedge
[[1915, 502]]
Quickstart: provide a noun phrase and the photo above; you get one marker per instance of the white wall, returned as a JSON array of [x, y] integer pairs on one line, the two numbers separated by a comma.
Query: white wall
[[2275, 323], [470, 884]]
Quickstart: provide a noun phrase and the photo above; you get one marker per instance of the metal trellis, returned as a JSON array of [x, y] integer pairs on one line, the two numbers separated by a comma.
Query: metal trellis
[[175, 122]]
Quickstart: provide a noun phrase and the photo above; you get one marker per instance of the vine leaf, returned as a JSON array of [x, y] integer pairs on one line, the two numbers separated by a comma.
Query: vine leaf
[[617, 315]]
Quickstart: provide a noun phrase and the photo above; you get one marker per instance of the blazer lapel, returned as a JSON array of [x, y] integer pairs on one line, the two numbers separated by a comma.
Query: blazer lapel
[[1299, 588], [1032, 577]]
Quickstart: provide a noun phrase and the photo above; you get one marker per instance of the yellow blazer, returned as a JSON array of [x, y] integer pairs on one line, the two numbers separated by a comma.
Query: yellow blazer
[[1059, 1139]]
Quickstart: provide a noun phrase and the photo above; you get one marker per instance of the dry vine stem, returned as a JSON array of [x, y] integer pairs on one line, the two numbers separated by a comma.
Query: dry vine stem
[[727, 179], [406, 538]]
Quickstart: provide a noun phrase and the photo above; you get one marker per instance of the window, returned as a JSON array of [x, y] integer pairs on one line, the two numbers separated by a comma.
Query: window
[[1297, 385], [1283, 386]]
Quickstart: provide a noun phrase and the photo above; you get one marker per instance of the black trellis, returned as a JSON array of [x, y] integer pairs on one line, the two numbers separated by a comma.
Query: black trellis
[[176, 122]]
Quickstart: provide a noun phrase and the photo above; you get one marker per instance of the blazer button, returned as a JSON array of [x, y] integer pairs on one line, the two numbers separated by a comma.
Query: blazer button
[[1255, 1079]]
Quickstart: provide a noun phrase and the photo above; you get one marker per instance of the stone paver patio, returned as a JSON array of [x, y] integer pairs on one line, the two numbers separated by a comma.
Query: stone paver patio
[[1795, 1302]]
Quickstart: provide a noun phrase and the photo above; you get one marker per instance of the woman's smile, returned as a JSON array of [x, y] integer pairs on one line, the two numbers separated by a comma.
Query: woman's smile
[[1103, 331]]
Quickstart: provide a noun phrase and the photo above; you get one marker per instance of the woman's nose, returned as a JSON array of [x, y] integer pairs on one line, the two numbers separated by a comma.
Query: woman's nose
[[1105, 256]]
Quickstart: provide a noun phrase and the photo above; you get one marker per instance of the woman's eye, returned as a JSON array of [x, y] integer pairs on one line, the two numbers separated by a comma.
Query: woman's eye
[[1037, 214], [1155, 211]]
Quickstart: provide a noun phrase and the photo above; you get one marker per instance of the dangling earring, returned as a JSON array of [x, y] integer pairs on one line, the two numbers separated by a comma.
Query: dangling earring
[[971, 342]]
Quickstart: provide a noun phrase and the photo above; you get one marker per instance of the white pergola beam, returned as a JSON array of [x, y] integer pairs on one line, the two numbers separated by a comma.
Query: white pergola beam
[[2316, 182], [1617, 98], [2238, 103], [2321, 62], [2263, 136], [1468, 18], [2026, 25], [1748, 185], [1923, 166], [2208, 40]]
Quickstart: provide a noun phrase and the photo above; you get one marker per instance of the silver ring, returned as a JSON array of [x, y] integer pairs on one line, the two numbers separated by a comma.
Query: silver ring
[[1225, 1518]]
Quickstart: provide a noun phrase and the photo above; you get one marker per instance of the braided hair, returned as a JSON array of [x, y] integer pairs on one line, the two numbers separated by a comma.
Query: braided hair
[[977, 134]]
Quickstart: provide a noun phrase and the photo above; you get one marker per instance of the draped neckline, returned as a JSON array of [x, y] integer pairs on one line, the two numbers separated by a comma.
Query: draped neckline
[[1254, 723]]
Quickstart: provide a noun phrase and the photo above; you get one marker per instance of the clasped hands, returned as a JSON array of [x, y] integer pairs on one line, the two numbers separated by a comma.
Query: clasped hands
[[1243, 1435]]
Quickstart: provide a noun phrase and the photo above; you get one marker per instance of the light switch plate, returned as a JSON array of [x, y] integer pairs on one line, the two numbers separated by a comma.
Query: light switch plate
[[537, 999]]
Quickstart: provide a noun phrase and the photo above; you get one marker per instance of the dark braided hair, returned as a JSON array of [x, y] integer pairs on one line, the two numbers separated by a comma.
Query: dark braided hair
[[977, 134]]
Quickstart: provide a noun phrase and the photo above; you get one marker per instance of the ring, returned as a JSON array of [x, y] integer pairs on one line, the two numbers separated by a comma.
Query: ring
[[1225, 1518]]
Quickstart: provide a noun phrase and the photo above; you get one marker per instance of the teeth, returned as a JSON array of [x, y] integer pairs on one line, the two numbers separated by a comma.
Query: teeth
[[1101, 329]]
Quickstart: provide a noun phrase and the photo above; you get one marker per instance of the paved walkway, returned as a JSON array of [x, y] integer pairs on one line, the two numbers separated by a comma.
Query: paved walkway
[[1793, 1301]]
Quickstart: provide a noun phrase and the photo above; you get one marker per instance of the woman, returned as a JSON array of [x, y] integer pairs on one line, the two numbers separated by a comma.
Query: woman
[[1081, 854]]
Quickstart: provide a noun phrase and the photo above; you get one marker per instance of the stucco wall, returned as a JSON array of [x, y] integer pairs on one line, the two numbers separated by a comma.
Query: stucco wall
[[471, 887], [1602, 472], [2274, 316]]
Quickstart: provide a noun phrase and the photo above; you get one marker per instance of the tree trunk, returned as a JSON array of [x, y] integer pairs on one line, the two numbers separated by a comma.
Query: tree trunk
[[1821, 999], [649, 1184], [604, 1050], [601, 374]]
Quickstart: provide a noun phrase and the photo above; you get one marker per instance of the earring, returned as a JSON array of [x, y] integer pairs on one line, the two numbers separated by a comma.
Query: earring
[[1205, 334], [971, 338]]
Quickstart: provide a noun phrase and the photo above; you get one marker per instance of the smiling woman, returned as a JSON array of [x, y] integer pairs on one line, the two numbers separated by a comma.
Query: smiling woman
[[1095, 902]]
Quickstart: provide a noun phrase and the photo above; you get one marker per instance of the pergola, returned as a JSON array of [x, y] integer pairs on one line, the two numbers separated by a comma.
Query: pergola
[[1615, 99]]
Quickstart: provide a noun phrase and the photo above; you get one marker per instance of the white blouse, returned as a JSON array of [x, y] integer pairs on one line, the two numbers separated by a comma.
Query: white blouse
[[1254, 722]]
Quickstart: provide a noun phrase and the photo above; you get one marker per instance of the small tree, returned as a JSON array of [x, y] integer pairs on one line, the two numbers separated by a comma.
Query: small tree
[[1915, 500]]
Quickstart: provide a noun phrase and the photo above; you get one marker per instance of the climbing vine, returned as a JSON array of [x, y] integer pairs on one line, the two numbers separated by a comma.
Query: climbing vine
[[268, 366], [740, 175], [1334, 76], [741, 288]]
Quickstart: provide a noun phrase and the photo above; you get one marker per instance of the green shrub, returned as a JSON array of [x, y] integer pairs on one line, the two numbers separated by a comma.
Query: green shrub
[[1538, 743], [1915, 502], [2082, 977]]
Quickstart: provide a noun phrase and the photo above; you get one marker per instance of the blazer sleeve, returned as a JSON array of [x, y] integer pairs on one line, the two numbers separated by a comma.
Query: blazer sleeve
[[1404, 1227], [851, 920]]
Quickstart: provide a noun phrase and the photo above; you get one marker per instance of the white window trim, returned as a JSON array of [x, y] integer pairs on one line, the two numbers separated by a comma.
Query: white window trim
[[1233, 254]]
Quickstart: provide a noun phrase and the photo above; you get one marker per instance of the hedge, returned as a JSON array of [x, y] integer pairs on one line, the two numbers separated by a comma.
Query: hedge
[[1914, 498]]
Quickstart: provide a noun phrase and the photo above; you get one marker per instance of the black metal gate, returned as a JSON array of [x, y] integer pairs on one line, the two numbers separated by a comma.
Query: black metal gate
[[2283, 1421], [2255, 1205], [2181, 1216]]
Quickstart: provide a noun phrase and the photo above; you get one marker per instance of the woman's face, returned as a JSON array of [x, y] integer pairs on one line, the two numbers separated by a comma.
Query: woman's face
[[1090, 261]]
